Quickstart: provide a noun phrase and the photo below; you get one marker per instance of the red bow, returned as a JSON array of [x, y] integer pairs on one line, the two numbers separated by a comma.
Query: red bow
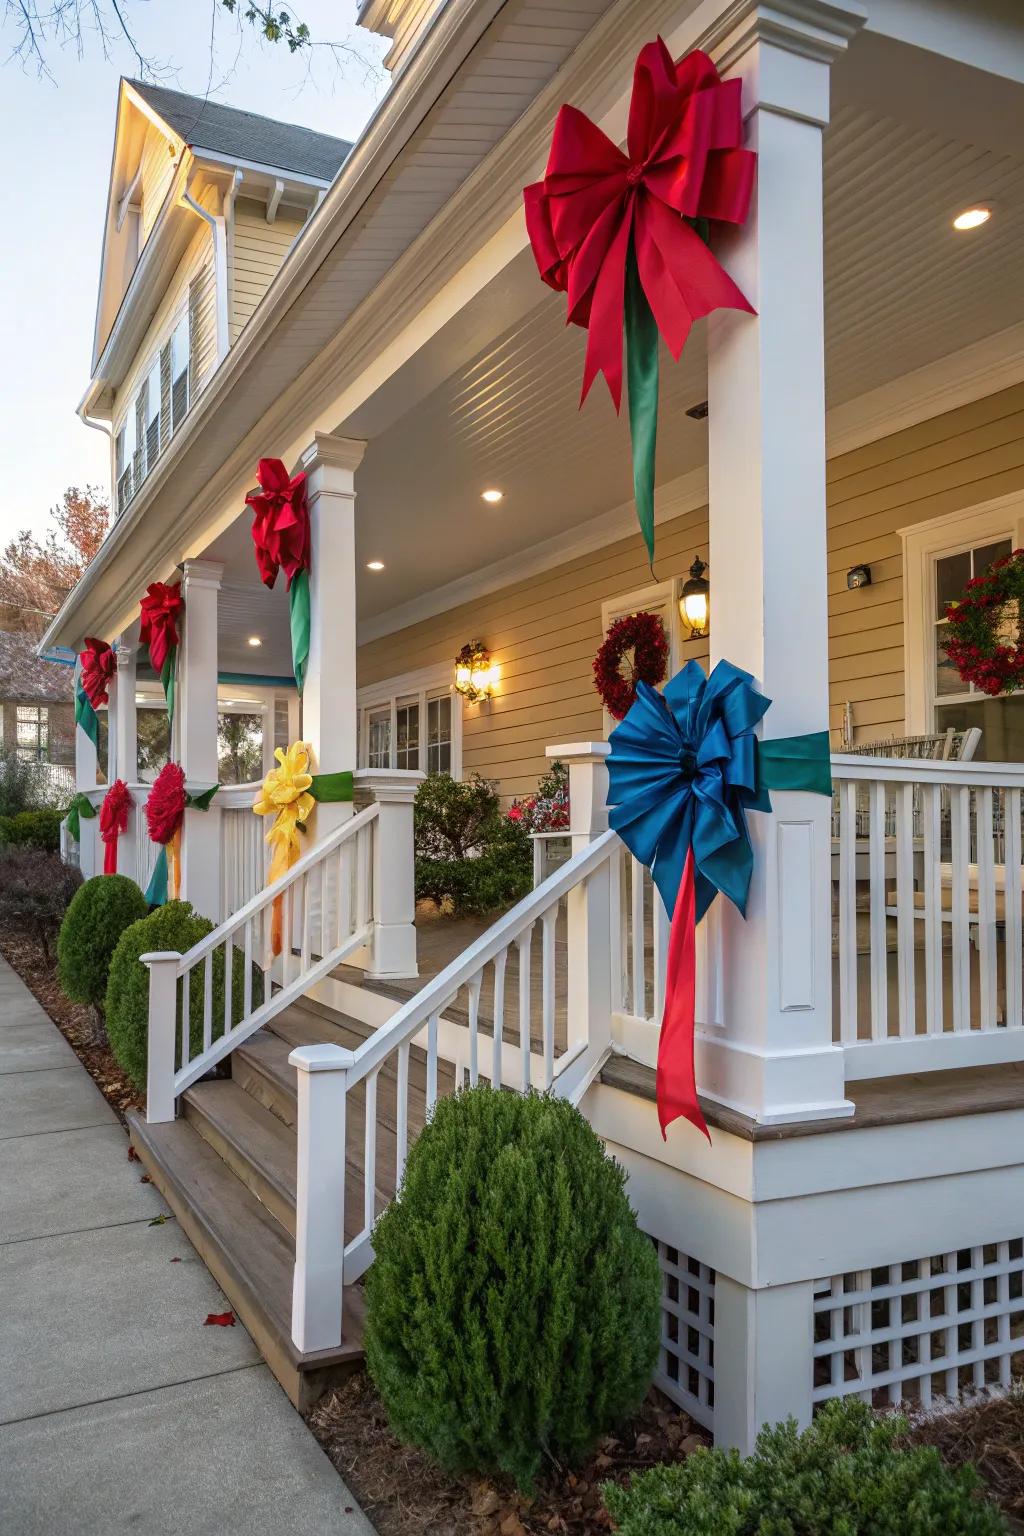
[[280, 525], [165, 803], [684, 163], [98, 664], [159, 631], [113, 821]]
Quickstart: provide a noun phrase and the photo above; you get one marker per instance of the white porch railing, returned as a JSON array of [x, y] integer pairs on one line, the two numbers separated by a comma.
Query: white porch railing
[[244, 855], [327, 914], [491, 1013], [927, 886]]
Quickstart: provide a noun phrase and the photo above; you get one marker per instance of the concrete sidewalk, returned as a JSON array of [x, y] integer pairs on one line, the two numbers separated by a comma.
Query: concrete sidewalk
[[119, 1410]]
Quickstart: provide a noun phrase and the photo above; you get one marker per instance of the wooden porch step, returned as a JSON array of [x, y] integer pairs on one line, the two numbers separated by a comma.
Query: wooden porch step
[[257, 1147], [260, 1067], [248, 1252]]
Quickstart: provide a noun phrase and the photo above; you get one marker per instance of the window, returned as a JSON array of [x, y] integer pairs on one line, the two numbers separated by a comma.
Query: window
[[239, 747], [412, 722], [151, 395], [179, 373], [158, 410], [124, 459], [32, 728], [940, 558]]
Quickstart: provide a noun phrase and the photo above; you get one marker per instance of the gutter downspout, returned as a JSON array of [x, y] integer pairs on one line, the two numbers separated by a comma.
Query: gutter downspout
[[220, 269]]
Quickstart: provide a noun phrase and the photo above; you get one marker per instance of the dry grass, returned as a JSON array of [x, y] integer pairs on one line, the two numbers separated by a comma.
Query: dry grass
[[989, 1432]]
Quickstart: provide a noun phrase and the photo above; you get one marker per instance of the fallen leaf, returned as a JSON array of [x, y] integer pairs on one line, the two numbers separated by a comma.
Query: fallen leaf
[[692, 1443], [158, 1221], [145, 1179], [133, 1156], [175, 1261], [220, 1320], [485, 1500], [512, 1525]]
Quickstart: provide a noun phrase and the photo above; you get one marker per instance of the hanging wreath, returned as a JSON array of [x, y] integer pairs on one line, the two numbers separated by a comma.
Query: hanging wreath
[[986, 628], [640, 642]]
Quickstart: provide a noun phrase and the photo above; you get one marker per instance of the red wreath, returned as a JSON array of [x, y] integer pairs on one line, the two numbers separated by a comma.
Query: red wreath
[[986, 628], [113, 821], [165, 803], [643, 634]]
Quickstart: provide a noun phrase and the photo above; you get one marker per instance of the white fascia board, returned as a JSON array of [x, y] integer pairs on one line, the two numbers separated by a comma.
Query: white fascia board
[[293, 180]]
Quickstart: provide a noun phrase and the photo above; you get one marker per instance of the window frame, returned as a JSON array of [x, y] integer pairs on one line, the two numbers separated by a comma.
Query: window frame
[[417, 687], [136, 467], [924, 544], [41, 751]]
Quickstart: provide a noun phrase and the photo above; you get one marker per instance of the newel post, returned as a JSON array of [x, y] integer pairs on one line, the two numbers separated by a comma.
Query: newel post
[[163, 1013], [393, 945], [319, 1278], [588, 905]]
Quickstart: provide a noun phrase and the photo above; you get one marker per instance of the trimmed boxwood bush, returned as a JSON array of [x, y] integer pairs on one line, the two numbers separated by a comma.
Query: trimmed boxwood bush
[[513, 1305], [469, 858], [32, 829], [100, 912], [174, 926], [845, 1476]]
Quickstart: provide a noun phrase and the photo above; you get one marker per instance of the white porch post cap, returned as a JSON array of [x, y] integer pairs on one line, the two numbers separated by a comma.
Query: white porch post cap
[[321, 1058], [580, 752]]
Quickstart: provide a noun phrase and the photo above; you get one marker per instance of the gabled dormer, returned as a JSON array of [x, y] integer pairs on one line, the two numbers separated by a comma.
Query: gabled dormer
[[204, 204], [405, 22]]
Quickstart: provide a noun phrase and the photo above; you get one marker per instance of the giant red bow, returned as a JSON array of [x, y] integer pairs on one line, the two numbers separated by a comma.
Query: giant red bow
[[113, 821], [158, 630], [98, 665], [683, 164], [280, 524]]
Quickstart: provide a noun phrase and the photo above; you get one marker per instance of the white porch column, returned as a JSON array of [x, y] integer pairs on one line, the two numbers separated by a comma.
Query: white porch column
[[329, 721], [764, 1358], [393, 946], [85, 779], [124, 745], [196, 711], [774, 1058]]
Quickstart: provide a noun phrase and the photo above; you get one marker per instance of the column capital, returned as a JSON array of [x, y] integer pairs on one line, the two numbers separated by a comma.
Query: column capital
[[202, 573], [813, 29], [328, 451]]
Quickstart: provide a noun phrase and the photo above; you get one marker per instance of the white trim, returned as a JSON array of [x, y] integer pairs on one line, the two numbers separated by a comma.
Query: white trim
[[921, 543], [425, 682]]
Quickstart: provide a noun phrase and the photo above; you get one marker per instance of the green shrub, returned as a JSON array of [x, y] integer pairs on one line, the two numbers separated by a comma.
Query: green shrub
[[20, 782], [469, 858], [845, 1476], [174, 926], [32, 829], [513, 1305], [35, 889], [94, 922]]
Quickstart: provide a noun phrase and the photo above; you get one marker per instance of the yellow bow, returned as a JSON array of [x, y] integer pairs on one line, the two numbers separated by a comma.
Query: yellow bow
[[285, 796]]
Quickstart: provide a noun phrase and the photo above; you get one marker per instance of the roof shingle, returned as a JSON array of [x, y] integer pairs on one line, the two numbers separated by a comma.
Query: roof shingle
[[24, 676]]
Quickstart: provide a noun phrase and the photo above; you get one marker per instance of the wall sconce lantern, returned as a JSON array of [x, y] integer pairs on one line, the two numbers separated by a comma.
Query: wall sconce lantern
[[694, 601], [476, 676], [858, 576]]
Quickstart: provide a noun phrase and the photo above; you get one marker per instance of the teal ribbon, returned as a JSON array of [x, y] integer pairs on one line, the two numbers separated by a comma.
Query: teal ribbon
[[85, 715], [299, 621], [81, 808], [156, 890], [796, 763], [642, 385]]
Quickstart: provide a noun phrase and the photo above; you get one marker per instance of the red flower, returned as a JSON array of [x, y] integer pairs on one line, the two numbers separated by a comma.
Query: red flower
[[165, 803], [159, 611], [515, 812], [280, 524], [98, 664]]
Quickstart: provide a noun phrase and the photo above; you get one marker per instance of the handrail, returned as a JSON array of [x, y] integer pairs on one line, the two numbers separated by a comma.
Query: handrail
[[926, 770], [270, 893], [438, 993]]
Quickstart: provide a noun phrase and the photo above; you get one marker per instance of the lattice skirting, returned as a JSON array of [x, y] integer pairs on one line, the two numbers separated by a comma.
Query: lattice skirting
[[927, 1328], [686, 1361]]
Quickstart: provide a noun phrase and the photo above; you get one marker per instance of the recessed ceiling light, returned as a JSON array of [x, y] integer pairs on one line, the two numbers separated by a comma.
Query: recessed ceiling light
[[375, 565], [255, 640], [972, 218], [492, 496]]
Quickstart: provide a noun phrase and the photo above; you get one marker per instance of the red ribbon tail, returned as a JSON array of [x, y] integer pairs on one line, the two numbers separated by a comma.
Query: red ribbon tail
[[110, 857], [677, 1081]]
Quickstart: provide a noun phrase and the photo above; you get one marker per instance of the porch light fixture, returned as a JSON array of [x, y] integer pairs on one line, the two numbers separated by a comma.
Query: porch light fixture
[[694, 601], [972, 218], [375, 565], [254, 640], [476, 676], [858, 576], [492, 497]]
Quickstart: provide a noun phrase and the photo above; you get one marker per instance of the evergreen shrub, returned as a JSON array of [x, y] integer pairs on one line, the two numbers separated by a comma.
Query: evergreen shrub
[[174, 926], [100, 912], [513, 1307], [35, 889], [32, 829], [469, 858], [847, 1475]]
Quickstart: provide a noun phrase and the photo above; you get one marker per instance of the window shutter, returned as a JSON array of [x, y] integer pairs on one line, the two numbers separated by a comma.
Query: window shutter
[[139, 456], [165, 392]]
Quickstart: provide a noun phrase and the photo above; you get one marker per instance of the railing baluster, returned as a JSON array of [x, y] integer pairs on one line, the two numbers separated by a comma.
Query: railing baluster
[[431, 1062], [474, 1029], [525, 978], [186, 998], [638, 989], [229, 955], [905, 908], [345, 892], [286, 934], [370, 1152], [548, 992], [984, 827], [325, 907], [931, 829], [848, 912], [1013, 939], [402, 1113], [208, 1001], [304, 946], [960, 817], [660, 925], [876, 874], [498, 1010], [617, 937], [247, 978]]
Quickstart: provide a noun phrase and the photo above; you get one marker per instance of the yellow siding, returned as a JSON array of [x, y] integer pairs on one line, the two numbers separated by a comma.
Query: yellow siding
[[258, 250], [158, 162], [543, 632]]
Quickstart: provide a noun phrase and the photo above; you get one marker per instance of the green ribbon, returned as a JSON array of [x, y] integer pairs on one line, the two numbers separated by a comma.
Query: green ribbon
[[796, 762], [202, 801], [642, 382], [167, 682], [85, 715], [330, 787], [298, 614], [81, 807]]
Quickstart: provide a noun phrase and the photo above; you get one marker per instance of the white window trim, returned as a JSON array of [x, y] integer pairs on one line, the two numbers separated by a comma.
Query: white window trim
[[422, 683], [650, 598], [981, 524]]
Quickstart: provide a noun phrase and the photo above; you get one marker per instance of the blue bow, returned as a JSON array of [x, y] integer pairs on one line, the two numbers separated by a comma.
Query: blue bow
[[683, 770]]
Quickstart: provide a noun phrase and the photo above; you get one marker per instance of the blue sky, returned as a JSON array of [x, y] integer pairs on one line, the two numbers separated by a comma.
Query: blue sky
[[59, 136]]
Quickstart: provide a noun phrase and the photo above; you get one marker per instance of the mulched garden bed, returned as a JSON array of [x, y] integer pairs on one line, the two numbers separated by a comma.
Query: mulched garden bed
[[990, 1433], [404, 1494], [78, 1023]]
